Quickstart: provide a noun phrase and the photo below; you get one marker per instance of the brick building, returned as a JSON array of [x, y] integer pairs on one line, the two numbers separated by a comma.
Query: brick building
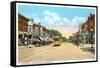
[[87, 29], [28, 30], [22, 29]]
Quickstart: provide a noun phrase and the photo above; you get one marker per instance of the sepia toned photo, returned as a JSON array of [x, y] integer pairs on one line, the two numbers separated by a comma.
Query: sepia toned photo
[[54, 33]]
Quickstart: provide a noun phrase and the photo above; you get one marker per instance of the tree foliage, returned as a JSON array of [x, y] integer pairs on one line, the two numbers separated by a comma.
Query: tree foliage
[[55, 33], [64, 39]]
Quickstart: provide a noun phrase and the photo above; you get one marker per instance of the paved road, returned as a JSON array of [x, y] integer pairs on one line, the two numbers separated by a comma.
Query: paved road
[[66, 51]]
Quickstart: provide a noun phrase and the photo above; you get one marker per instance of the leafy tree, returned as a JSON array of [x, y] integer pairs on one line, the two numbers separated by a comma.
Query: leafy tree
[[71, 39], [64, 39], [55, 33]]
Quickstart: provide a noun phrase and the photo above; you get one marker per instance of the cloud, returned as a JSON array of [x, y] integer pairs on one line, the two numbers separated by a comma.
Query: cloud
[[54, 20], [51, 18], [74, 22]]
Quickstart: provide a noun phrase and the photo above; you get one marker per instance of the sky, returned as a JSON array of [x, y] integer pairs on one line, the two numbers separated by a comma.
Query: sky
[[64, 19]]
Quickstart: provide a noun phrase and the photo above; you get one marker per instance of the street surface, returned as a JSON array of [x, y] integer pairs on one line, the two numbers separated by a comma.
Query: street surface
[[67, 51]]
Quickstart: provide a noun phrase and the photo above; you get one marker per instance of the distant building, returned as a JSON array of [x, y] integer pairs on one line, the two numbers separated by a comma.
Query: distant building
[[45, 31], [39, 30]]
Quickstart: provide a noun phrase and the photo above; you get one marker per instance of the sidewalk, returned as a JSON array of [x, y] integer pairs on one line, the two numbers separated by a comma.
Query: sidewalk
[[86, 45], [87, 48]]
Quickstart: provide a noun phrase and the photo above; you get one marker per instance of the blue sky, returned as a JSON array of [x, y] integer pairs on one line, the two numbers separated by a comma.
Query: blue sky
[[59, 18]]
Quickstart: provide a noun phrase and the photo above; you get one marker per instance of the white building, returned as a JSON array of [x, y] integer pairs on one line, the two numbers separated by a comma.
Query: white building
[[30, 32]]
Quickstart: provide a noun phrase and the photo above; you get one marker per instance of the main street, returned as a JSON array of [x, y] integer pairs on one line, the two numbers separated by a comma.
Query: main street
[[67, 51]]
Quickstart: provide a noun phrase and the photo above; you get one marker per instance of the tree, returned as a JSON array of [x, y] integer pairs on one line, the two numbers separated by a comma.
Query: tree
[[71, 39], [55, 33], [64, 39]]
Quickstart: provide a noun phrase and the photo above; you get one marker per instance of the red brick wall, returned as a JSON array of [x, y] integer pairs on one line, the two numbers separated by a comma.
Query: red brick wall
[[22, 25], [91, 23]]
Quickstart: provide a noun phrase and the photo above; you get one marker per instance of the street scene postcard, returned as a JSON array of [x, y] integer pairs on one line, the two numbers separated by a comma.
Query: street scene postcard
[[49, 33]]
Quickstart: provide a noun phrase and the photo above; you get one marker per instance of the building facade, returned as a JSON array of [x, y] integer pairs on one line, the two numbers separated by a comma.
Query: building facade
[[22, 30], [29, 31], [87, 30]]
